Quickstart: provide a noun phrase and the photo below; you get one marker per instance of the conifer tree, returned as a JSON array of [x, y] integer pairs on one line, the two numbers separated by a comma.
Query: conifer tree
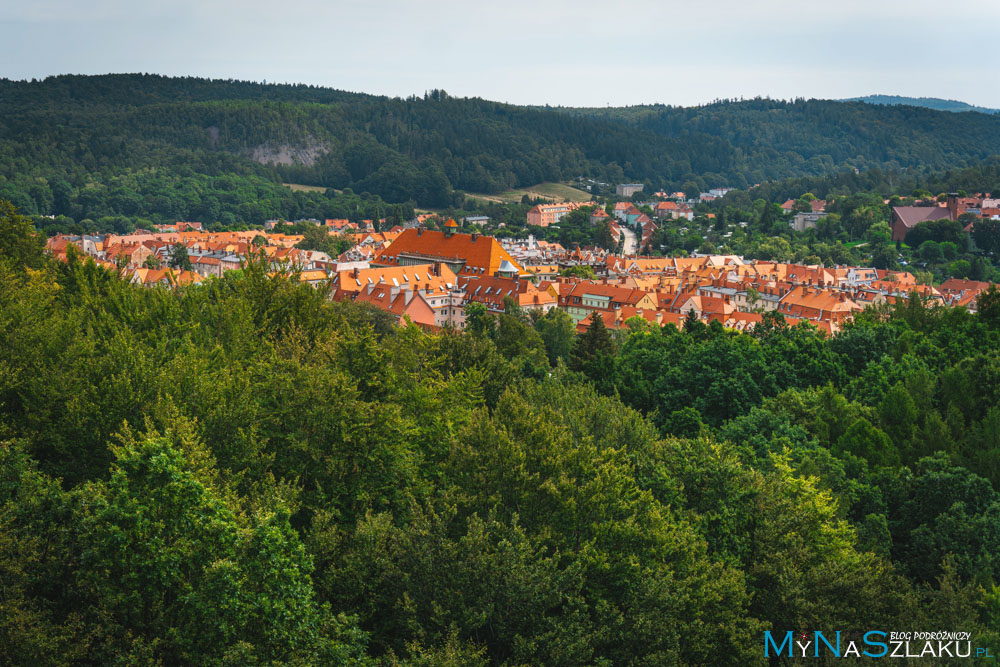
[[593, 343]]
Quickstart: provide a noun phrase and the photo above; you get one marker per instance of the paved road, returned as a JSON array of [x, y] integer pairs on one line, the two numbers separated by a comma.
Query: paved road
[[631, 241]]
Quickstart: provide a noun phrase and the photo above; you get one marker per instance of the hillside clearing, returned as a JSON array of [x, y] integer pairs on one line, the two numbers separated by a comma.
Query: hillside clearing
[[298, 187], [551, 191]]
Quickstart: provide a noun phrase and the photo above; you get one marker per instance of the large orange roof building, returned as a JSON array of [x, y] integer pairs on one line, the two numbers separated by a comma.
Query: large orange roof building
[[465, 254]]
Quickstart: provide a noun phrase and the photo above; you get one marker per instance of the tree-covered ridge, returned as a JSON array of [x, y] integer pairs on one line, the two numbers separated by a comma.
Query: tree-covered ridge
[[87, 130], [929, 102], [771, 139], [246, 472]]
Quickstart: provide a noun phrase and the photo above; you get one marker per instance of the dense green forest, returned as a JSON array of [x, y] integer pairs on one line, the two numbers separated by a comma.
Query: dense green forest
[[217, 151], [981, 177], [245, 472], [746, 142]]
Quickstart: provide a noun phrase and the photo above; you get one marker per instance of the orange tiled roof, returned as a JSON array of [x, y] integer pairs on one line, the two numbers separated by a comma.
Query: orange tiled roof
[[482, 254], [354, 281], [492, 291]]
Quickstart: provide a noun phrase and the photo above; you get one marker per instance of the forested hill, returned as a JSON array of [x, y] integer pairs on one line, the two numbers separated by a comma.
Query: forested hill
[[82, 138], [745, 142], [928, 102]]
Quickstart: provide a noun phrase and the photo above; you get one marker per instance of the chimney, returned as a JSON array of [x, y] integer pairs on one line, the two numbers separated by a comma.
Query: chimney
[[475, 235], [356, 272], [953, 205], [420, 229]]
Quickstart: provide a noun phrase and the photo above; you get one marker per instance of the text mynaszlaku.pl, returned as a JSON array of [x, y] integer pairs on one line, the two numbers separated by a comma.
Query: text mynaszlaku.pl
[[873, 644]]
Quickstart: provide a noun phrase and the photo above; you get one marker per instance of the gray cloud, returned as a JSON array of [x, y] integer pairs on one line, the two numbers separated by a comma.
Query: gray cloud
[[531, 52]]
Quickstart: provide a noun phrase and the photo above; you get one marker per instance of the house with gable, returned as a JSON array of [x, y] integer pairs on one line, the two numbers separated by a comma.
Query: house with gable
[[465, 254]]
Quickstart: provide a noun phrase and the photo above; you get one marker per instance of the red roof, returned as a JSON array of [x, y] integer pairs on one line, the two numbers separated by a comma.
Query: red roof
[[491, 292], [482, 254]]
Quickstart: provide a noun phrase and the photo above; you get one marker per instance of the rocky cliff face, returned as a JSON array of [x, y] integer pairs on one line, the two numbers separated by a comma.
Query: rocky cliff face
[[287, 154]]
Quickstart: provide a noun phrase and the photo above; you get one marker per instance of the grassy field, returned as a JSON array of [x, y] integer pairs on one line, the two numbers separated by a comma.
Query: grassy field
[[551, 191], [295, 187]]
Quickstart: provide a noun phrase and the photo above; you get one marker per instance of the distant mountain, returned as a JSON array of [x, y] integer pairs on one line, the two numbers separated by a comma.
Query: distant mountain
[[935, 103]]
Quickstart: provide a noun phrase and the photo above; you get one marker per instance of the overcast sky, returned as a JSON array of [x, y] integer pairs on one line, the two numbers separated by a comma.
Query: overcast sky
[[559, 52]]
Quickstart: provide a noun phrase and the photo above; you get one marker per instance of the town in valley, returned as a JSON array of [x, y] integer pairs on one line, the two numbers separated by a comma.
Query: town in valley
[[427, 270]]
